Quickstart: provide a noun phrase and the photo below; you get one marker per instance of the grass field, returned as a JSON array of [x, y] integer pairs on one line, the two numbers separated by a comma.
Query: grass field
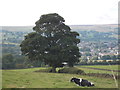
[[26, 78], [112, 67], [97, 71]]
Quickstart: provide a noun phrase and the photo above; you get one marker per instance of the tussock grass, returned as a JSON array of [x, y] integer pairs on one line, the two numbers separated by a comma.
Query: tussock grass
[[71, 70]]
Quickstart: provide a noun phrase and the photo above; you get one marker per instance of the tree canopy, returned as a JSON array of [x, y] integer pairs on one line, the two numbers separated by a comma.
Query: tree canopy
[[52, 42]]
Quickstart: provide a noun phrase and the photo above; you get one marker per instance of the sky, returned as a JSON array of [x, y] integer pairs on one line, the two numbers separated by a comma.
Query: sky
[[75, 12]]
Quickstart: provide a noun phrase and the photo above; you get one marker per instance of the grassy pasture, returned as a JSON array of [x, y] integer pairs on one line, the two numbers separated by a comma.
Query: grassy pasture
[[97, 71], [112, 67], [26, 78]]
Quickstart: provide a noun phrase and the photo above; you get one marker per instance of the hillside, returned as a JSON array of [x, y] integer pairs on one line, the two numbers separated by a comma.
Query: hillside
[[96, 40], [99, 28], [15, 34]]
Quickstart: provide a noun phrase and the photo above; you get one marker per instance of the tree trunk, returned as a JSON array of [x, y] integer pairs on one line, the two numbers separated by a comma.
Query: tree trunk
[[54, 69], [70, 64]]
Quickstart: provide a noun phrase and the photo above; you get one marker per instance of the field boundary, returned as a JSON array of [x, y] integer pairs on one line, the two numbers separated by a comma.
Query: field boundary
[[102, 75], [101, 69]]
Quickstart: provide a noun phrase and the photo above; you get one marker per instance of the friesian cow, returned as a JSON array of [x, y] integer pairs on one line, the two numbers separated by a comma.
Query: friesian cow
[[82, 82]]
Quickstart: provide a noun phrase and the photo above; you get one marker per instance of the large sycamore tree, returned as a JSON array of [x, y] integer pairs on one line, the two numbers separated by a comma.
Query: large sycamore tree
[[52, 42]]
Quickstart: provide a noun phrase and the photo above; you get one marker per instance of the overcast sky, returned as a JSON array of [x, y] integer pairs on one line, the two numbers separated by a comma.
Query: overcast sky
[[75, 12]]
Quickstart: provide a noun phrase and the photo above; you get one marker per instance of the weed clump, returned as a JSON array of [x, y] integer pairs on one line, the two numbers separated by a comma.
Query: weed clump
[[71, 70]]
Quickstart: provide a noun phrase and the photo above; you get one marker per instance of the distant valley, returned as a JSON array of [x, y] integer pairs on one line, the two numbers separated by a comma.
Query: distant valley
[[99, 28], [15, 34], [96, 40]]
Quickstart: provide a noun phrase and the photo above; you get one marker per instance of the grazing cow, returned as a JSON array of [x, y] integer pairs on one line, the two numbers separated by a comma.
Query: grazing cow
[[82, 82]]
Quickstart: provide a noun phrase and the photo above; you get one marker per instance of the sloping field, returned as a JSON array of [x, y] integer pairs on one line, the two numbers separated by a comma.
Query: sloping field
[[111, 67], [101, 69], [26, 78]]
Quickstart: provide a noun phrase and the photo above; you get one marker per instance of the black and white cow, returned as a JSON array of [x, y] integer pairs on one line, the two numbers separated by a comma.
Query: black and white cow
[[82, 82]]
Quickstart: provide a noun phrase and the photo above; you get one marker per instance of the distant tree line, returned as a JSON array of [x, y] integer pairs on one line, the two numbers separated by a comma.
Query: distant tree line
[[10, 61]]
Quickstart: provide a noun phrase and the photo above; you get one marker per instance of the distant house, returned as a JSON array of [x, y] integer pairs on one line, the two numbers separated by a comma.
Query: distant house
[[103, 60], [103, 54]]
